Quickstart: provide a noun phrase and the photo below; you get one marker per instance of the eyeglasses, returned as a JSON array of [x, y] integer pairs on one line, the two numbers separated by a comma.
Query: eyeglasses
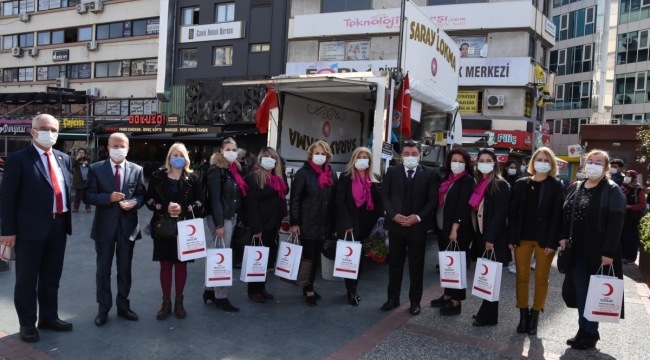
[[45, 129]]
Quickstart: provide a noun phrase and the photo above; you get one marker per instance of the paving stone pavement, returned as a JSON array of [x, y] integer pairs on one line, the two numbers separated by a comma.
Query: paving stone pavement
[[286, 328]]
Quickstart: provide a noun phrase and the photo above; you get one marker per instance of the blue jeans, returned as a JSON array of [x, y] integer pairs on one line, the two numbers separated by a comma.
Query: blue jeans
[[580, 281]]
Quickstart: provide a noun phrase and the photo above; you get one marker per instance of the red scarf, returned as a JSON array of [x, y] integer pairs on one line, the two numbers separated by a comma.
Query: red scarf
[[361, 191], [324, 177], [479, 193], [444, 187], [276, 183], [238, 179]]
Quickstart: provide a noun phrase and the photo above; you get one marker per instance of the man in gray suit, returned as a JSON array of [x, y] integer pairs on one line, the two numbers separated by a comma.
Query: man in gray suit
[[116, 187]]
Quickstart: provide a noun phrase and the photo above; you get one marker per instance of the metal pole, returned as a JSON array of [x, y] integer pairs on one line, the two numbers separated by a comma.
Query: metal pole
[[87, 121], [401, 34]]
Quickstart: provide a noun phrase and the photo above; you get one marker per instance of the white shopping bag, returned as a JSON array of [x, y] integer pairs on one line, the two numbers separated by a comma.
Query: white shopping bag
[[7, 254], [191, 240], [487, 279], [604, 298], [288, 263], [254, 264], [453, 270], [348, 258], [218, 265]]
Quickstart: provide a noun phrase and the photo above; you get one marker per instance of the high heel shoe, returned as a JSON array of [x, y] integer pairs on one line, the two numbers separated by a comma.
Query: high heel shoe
[[209, 295], [304, 293], [225, 305]]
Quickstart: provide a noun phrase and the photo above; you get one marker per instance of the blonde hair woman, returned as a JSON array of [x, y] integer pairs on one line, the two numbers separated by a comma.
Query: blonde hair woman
[[266, 206], [174, 191], [595, 239], [534, 228], [311, 209], [358, 206]]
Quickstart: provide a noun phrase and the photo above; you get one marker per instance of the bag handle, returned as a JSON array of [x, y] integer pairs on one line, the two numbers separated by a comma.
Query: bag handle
[[491, 256], [216, 243], [345, 237], [609, 273], [456, 247], [192, 210]]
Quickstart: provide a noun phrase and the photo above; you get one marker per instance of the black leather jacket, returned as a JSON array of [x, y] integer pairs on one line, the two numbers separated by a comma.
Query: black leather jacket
[[312, 208], [225, 197]]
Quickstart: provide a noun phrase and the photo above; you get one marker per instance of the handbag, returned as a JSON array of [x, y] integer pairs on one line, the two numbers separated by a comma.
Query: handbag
[[565, 256], [164, 227], [329, 248]]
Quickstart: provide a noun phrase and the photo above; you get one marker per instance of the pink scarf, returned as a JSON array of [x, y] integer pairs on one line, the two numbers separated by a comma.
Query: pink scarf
[[444, 187], [276, 183], [361, 191], [238, 179], [479, 193], [324, 177]]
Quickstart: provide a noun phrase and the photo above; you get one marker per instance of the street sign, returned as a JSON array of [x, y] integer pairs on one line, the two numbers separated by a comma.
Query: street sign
[[61, 91], [387, 151]]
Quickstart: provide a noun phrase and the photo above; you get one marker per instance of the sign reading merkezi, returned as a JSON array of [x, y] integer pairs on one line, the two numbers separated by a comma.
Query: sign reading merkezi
[[494, 72], [212, 32]]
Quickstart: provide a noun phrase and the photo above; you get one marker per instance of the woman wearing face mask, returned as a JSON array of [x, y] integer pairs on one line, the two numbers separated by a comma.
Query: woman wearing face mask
[[454, 219], [534, 228], [312, 208], [173, 191], [266, 206], [595, 235], [490, 202], [358, 206], [511, 172], [636, 202], [226, 189], [524, 166]]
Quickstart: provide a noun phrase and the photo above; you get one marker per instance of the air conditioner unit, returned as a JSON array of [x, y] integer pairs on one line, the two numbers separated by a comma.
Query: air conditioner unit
[[33, 52], [92, 45], [94, 92], [96, 6], [496, 101], [16, 52], [24, 17], [82, 8], [62, 82]]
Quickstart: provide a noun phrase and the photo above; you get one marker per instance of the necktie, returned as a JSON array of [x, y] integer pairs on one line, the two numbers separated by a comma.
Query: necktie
[[55, 183], [410, 172], [117, 178]]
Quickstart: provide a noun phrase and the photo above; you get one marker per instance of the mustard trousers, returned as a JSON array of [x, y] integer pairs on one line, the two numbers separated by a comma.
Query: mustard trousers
[[523, 255]]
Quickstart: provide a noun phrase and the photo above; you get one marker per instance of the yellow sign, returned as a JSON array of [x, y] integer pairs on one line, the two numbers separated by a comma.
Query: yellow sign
[[73, 123], [468, 101]]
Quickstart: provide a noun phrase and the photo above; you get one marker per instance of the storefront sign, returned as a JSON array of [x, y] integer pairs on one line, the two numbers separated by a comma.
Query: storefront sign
[[126, 107], [148, 119], [550, 27], [172, 119], [471, 46], [60, 55], [166, 129], [502, 139], [72, 123], [494, 71], [468, 102], [334, 67], [343, 50], [575, 150], [14, 129], [212, 32], [61, 91]]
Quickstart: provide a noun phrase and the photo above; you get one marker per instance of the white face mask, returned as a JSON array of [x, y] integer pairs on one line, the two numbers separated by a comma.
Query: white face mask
[[523, 168], [268, 163], [230, 156], [485, 168], [319, 159], [411, 162], [594, 171], [580, 176], [627, 180], [613, 170], [512, 172], [362, 164], [46, 139], [118, 155], [457, 167], [542, 167]]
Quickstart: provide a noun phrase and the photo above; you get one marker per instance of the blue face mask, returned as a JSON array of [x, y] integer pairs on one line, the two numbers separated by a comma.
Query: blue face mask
[[177, 163]]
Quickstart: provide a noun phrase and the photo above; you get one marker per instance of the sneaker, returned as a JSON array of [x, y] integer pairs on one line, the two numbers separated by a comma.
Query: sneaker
[[512, 269]]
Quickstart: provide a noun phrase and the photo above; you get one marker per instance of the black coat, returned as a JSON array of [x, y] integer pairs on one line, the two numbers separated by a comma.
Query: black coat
[[496, 207], [511, 179], [312, 208], [458, 211], [550, 212], [263, 206], [225, 197], [425, 196], [159, 193], [347, 214]]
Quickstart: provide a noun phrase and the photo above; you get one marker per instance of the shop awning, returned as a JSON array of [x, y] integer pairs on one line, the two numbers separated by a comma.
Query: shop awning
[[425, 94], [41, 98], [24, 98], [11, 98]]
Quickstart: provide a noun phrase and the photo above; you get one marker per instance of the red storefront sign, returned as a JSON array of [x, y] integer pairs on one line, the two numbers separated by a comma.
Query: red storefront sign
[[509, 139], [147, 119]]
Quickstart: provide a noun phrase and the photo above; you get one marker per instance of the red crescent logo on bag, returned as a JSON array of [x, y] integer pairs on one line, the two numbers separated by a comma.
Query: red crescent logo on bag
[[350, 254], [451, 261], [288, 251], [259, 258], [221, 257], [611, 289], [486, 270], [193, 230]]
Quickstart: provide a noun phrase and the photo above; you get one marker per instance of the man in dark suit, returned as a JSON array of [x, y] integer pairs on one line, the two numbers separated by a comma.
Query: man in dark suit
[[35, 211], [409, 194], [116, 187]]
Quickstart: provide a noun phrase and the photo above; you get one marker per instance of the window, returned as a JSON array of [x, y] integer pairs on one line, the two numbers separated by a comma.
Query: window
[[558, 127], [546, 9], [343, 50], [17, 7], [637, 117], [55, 4], [633, 10], [531, 47], [550, 126], [71, 35], [632, 47], [126, 68], [124, 29], [572, 60], [260, 47], [329, 6], [188, 58], [561, 62], [543, 58], [225, 12], [559, 92], [18, 40], [574, 126], [571, 96], [222, 56], [71, 71], [18, 74], [575, 24], [564, 26], [557, 3], [190, 16]]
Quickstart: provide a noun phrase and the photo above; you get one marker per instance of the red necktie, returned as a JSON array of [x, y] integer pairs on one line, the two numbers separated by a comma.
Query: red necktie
[[117, 178], [55, 184]]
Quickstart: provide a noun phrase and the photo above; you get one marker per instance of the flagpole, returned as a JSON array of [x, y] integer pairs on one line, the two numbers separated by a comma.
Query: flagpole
[[401, 35]]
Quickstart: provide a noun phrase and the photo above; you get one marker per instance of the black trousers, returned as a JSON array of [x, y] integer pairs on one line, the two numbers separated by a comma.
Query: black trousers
[[268, 240], [39, 265], [402, 244], [630, 244], [311, 250], [122, 248], [351, 284]]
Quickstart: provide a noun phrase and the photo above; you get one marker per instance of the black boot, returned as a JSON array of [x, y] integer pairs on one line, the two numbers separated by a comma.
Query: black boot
[[225, 305], [586, 341], [524, 316], [532, 324], [575, 338], [208, 295]]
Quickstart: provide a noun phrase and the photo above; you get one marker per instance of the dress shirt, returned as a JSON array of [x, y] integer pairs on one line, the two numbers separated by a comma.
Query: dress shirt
[[59, 176]]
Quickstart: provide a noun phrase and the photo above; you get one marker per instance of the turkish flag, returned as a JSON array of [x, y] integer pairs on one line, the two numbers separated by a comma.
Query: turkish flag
[[270, 102], [403, 105]]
